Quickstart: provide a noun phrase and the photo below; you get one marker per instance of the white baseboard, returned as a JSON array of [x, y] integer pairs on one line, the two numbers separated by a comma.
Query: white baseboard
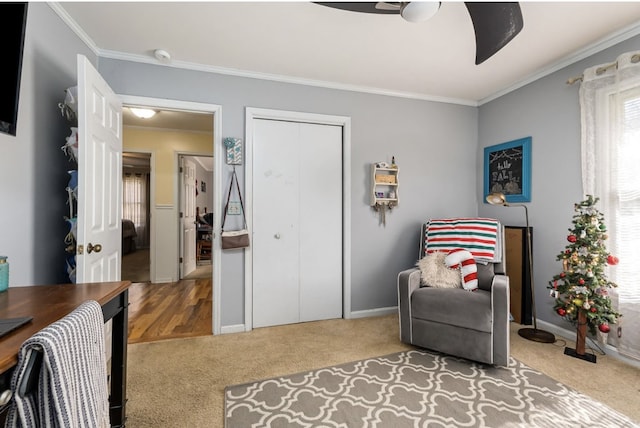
[[240, 328], [374, 312], [570, 336], [228, 329]]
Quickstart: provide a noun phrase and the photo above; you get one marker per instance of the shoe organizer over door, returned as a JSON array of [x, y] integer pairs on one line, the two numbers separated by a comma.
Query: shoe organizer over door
[[297, 222]]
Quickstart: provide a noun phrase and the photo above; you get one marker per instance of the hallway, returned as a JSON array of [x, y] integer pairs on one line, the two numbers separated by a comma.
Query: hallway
[[167, 310], [170, 310]]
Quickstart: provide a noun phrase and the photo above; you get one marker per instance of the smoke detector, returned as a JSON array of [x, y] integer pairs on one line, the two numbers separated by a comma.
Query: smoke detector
[[162, 55]]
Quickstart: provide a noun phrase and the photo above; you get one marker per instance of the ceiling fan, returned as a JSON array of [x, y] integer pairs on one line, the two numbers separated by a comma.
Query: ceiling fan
[[495, 24]]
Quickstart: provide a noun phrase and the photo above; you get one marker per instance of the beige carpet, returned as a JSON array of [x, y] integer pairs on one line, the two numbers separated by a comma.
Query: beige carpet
[[180, 382]]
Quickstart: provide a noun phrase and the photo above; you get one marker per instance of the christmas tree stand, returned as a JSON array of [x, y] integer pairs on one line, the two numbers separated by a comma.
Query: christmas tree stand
[[580, 340]]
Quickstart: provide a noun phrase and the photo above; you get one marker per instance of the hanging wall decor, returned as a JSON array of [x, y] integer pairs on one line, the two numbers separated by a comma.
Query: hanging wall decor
[[234, 150], [507, 169]]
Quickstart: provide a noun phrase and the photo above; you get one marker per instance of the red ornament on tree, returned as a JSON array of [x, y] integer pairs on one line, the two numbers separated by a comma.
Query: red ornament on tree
[[612, 260], [604, 328], [593, 309], [581, 281], [572, 238], [562, 312]]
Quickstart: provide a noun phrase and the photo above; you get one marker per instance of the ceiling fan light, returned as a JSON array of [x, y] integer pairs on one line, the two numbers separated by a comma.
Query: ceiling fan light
[[143, 113], [419, 11]]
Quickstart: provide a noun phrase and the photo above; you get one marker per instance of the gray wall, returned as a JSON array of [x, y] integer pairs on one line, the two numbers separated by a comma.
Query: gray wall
[[547, 110], [434, 145], [438, 148], [33, 169]]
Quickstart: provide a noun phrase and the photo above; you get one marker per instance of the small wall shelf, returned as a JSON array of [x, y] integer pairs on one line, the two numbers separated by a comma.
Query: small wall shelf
[[384, 186]]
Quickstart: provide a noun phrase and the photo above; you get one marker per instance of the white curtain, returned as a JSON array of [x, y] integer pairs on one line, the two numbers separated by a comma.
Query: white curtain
[[135, 205], [610, 113]]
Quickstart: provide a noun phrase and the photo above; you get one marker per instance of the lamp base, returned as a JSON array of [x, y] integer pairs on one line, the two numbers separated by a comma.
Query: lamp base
[[537, 335], [573, 353]]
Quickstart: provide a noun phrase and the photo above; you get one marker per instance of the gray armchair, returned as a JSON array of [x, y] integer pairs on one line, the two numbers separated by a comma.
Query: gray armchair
[[468, 324]]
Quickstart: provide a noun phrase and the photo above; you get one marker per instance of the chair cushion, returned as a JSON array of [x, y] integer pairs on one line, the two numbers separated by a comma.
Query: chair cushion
[[453, 306]]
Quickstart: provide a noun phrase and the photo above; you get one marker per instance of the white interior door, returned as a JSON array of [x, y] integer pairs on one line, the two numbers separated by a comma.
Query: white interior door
[[275, 224], [99, 178], [188, 218], [320, 220], [297, 222]]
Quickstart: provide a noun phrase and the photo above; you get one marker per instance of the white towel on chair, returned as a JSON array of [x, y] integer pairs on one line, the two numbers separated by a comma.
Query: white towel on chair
[[72, 379]]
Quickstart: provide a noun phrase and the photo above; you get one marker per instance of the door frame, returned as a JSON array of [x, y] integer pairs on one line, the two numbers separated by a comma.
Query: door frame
[[251, 114], [216, 111]]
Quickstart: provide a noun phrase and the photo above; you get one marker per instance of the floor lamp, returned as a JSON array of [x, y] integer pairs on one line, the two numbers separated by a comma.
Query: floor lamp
[[534, 333]]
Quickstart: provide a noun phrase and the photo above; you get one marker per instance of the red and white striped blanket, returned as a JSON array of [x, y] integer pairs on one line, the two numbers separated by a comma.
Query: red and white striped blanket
[[476, 235]]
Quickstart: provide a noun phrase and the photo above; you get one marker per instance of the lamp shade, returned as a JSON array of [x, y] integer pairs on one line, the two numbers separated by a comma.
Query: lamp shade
[[496, 198], [419, 11]]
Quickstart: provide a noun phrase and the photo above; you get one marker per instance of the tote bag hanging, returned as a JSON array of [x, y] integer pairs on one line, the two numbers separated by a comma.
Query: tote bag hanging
[[233, 239]]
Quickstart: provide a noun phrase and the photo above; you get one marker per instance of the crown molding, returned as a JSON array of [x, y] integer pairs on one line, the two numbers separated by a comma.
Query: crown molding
[[598, 46], [73, 25], [103, 53]]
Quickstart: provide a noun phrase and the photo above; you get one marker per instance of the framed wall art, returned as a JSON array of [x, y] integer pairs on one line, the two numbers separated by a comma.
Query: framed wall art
[[507, 169], [233, 147]]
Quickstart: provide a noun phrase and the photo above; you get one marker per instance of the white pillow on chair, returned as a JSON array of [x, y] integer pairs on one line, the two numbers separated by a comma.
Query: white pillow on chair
[[435, 273]]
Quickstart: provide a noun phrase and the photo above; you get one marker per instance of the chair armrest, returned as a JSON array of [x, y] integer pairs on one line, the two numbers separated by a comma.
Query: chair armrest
[[501, 310], [408, 282]]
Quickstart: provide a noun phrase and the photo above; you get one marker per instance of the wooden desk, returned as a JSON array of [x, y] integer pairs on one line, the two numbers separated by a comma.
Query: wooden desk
[[49, 303]]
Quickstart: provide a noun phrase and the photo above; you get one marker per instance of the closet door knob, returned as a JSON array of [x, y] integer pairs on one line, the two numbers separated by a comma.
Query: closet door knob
[[277, 236]]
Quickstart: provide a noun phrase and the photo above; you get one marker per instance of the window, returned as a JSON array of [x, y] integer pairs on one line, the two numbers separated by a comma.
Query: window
[[135, 205], [610, 110]]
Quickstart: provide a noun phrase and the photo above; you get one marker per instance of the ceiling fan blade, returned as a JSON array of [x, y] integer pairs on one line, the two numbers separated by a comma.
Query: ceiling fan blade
[[495, 25], [367, 7], [385, 5]]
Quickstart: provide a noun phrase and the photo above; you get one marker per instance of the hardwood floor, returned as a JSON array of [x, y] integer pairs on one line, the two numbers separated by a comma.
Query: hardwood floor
[[170, 310]]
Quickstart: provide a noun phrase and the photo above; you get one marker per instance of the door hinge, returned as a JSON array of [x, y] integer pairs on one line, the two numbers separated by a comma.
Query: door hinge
[[181, 214], [180, 259], [180, 169]]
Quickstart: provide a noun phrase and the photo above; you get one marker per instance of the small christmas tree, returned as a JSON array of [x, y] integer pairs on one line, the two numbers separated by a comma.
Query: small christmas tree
[[581, 290]]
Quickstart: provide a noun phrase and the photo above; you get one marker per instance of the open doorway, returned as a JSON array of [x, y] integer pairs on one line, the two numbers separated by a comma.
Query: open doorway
[[196, 218], [166, 135], [176, 129]]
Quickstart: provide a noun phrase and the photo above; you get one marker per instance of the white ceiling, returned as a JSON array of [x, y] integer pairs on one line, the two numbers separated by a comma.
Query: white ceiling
[[308, 43]]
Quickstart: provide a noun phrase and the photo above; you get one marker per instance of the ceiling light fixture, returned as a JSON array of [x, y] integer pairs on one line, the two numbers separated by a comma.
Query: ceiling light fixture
[[419, 11], [143, 113]]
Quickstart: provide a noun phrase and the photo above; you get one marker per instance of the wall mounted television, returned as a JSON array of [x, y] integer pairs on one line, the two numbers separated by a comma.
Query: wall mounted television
[[13, 23]]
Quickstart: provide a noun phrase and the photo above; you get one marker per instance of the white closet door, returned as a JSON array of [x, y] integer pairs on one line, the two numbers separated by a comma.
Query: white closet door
[[275, 224], [297, 222], [320, 222]]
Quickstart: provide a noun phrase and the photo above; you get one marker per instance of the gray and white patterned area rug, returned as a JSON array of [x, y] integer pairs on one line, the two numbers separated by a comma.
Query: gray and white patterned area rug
[[415, 389]]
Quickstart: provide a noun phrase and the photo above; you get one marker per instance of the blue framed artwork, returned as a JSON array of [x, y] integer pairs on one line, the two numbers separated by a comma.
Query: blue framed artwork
[[507, 169]]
